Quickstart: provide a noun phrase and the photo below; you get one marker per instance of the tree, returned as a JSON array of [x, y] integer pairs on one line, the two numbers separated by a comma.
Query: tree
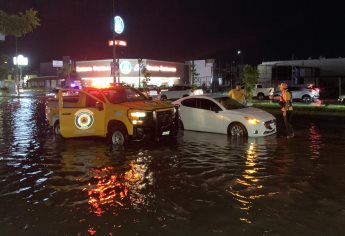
[[250, 77], [193, 73], [145, 73], [20, 24], [68, 72], [4, 68], [147, 76]]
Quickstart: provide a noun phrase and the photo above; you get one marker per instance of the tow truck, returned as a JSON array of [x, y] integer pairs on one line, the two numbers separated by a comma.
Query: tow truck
[[120, 113]]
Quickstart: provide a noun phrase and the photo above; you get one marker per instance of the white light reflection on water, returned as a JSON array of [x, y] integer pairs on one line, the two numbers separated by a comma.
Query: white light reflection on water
[[23, 124], [249, 186]]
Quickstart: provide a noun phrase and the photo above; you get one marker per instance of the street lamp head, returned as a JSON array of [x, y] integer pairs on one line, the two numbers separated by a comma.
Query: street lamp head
[[239, 52]]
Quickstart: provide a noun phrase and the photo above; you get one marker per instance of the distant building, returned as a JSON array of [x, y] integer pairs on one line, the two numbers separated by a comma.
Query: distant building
[[204, 71], [326, 73]]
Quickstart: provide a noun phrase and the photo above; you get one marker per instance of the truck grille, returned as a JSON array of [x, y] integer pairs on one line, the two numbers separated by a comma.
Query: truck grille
[[165, 118]]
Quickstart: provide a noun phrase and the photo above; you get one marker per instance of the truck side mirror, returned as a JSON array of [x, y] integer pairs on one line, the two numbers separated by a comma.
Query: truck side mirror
[[99, 106]]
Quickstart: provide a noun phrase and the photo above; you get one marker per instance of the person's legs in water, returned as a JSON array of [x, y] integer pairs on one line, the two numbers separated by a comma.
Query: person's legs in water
[[287, 121]]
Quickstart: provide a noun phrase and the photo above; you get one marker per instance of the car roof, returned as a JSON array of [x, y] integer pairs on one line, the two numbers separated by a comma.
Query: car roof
[[207, 96]]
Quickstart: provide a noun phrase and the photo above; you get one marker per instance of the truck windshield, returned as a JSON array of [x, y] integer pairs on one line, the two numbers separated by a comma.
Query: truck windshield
[[120, 95]]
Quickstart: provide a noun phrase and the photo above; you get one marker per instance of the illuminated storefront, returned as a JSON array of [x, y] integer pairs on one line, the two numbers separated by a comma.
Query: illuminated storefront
[[98, 72]]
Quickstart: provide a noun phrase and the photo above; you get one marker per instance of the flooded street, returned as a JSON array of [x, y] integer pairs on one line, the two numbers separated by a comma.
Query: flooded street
[[201, 184]]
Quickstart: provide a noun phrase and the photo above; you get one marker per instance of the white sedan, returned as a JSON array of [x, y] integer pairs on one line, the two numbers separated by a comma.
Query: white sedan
[[221, 114]]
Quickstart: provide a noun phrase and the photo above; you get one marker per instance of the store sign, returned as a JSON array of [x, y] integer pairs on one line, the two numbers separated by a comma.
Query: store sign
[[160, 68], [57, 63], [92, 68], [125, 67]]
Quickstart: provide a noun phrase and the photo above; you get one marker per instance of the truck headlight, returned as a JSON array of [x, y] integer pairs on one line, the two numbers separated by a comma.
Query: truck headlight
[[252, 120], [136, 117], [137, 114]]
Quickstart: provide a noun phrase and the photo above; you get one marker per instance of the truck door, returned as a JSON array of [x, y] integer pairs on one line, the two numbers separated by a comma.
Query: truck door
[[86, 117]]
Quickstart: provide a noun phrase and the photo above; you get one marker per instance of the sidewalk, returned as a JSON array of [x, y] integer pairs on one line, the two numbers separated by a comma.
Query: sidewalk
[[24, 93]]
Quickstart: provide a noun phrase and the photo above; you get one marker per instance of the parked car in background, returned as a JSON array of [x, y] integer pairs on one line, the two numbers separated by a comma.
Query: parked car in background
[[302, 93], [150, 91], [179, 91], [261, 93], [341, 99], [222, 114]]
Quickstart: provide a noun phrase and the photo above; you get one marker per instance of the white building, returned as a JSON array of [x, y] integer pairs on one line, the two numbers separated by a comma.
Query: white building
[[203, 71]]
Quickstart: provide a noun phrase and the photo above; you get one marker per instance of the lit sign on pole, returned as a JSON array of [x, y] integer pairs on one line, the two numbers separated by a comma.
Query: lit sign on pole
[[119, 25], [118, 43], [20, 60]]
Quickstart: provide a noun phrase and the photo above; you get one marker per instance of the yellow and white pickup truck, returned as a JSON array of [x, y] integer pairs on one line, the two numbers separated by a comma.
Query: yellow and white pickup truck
[[119, 112]]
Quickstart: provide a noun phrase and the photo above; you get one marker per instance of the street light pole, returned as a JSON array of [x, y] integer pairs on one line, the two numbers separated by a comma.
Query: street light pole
[[114, 48]]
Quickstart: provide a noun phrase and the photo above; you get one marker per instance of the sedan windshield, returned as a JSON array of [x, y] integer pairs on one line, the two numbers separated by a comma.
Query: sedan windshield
[[120, 95], [229, 103]]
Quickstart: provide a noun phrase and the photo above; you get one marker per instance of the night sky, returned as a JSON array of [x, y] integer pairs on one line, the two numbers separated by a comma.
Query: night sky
[[180, 30]]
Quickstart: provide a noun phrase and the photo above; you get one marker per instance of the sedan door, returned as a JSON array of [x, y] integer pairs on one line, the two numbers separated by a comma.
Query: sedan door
[[187, 110], [208, 116]]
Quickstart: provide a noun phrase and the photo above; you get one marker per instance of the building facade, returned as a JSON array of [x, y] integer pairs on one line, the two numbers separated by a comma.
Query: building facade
[[162, 73], [326, 73]]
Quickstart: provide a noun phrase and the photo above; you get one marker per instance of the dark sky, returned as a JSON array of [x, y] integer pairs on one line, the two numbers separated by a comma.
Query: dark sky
[[179, 30]]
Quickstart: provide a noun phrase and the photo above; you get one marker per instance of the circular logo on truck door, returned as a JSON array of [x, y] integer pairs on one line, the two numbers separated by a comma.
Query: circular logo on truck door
[[84, 119]]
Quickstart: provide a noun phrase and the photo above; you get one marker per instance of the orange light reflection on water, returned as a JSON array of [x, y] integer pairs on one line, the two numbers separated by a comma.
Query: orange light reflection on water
[[111, 190], [315, 141]]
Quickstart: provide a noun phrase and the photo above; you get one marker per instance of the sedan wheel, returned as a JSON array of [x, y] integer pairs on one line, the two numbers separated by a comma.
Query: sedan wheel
[[237, 129], [306, 98]]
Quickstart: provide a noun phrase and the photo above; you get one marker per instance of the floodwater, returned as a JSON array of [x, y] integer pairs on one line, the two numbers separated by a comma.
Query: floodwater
[[200, 184]]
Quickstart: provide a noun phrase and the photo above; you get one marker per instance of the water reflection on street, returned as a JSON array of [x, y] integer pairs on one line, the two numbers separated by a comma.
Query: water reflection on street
[[200, 184]]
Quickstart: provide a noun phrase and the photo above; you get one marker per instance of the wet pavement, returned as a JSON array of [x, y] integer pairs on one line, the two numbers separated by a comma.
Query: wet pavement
[[200, 184]]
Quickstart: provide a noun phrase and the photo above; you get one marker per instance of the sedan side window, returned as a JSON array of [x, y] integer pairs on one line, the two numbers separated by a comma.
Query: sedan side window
[[209, 105], [191, 102]]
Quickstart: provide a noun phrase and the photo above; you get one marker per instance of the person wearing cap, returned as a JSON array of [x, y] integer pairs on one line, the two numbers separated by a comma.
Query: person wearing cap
[[285, 103], [238, 94]]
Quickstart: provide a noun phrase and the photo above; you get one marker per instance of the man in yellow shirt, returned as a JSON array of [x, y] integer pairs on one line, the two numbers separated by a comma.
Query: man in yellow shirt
[[238, 94]]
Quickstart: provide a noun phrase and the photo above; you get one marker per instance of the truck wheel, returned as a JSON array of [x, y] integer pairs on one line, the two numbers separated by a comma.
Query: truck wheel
[[119, 136], [163, 98], [237, 129], [261, 96], [56, 128]]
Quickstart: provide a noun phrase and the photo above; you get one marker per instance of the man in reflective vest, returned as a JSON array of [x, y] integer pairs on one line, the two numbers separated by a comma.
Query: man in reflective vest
[[285, 103]]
